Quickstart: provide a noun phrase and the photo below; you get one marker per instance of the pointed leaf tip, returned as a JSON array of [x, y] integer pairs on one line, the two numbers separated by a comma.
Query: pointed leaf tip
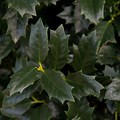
[[23, 6], [58, 52], [38, 42], [93, 9]]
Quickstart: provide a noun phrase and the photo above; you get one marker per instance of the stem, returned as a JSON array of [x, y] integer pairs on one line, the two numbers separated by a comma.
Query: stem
[[37, 101], [116, 115], [113, 17]]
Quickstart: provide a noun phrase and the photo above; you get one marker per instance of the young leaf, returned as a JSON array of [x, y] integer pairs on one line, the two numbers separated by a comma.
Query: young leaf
[[84, 85], [85, 54], [93, 9], [56, 86], [113, 90], [58, 53], [23, 78], [38, 41], [23, 6], [41, 113], [104, 33], [16, 24]]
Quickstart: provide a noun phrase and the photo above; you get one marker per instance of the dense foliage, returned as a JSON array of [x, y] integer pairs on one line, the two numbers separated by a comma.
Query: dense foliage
[[59, 59]]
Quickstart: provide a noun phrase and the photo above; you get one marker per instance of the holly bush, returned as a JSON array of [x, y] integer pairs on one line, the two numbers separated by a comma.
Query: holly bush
[[59, 59]]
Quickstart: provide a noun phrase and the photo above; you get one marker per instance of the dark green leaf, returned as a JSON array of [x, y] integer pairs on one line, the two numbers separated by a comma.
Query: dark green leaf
[[23, 78], [84, 111], [93, 9], [15, 111], [38, 42], [72, 110], [41, 113], [16, 24], [108, 55], [85, 54], [20, 62], [104, 33], [58, 53], [18, 97], [80, 109], [84, 85], [55, 85], [23, 6], [6, 45], [113, 90]]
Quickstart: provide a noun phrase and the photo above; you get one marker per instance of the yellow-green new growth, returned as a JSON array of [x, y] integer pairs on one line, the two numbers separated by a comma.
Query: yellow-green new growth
[[40, 68]]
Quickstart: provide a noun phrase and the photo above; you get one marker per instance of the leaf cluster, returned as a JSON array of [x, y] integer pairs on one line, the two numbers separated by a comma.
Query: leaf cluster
[[59, 60]]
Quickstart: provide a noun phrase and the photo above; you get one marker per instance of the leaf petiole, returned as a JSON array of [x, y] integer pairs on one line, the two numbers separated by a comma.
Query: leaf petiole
[[116, 115], [35, 101]]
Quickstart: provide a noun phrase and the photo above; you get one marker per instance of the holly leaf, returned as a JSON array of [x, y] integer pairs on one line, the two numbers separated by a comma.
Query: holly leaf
[[84, 85], [81, 24], [93, 9], [55, 85], [23, 6], [41, 113], [15, 111], [16, 24], [6, 45], [18, 97], [113, 90], [72, 110], [58, 52], [85, 54], [79, 110], [38, 41], [20, 62], [108, 55], [104, 33], [23, 78]]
